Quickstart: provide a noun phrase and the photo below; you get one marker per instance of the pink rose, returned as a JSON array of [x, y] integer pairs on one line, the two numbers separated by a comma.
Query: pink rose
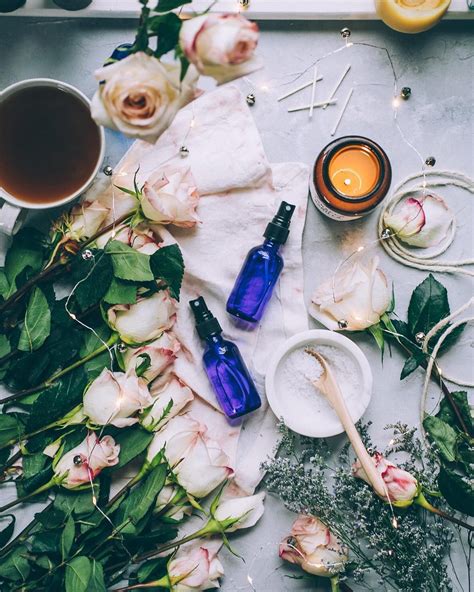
[[143, 239], [170, 197], [168, 400], [220, 45], [161, 353], [114, 398], [313, 547], [196, 567], [84, 220], [402, 487], [84, 462]]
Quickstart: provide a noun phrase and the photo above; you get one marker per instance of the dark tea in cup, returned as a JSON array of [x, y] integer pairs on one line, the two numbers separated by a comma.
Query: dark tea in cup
[[50, 147]]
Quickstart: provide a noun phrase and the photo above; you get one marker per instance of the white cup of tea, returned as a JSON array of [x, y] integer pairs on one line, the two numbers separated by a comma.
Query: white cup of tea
[[50, 148]]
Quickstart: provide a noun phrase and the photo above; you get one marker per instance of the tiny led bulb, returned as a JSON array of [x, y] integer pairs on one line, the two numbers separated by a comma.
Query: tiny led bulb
[[73, 316], [396, 102], [360, 249], [394, 522]]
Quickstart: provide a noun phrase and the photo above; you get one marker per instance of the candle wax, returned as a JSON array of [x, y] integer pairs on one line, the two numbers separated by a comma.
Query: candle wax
[[354, 171], [411, 16]]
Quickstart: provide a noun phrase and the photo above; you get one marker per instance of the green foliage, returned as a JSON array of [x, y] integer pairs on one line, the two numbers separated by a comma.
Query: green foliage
[[428, 305], [24, 257], [167, 28], [37, 323], [121, 292], [167, 264], [143, 496], [457, 490], [166, 5], [6, 531], [78, 574], [129, 264], [446, 412], [15, 566], [133, 441], [443, 435], [67, 537], [92, 277], [11, 427]]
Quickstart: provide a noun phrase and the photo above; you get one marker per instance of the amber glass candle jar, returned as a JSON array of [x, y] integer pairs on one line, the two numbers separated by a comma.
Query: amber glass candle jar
[[350, 178]]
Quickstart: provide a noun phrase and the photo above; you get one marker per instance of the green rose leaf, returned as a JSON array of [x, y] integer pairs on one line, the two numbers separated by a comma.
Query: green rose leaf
[[78, 574], [121, 292], [167, 264], [152, 569], [33, 463], [96, 582], [67, 537], [166, 5], [78, 503], [143, 496], [447, 414], [46, 542], [15, 566], [428, 305], [10, 428], [5, 348], [4, 286], [93, 278], [457, 490], [6, 531], [443, 436], [133, 441], [26, 252], [411, 364], [167, 27], [37, 323], [129, 264]]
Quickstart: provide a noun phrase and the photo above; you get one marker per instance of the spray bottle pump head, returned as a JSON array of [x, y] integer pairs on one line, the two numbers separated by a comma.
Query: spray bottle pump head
[[206, 322], [278, 229]]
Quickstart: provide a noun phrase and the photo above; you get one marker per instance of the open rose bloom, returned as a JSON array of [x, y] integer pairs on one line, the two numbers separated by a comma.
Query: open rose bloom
[[115, 398], [402, 487], [160, 354], [221, 45], [140, 95], [313, 547], [196, 566], [84, 462], [198, 462], [421, 220], [357, 294], [168, 400], [170, 197], [145, 320], [142, 238], [85, 219]]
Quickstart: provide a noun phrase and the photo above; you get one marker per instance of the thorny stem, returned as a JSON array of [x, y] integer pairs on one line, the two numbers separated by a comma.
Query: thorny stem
[[49, 382]]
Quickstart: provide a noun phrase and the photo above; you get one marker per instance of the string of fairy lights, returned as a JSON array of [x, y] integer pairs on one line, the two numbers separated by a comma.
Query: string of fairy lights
[[385, 234]]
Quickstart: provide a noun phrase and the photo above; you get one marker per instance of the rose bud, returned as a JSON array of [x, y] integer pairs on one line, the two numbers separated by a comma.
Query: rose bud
[[84, 462], [169, 400], [145, 320], [171, 197], [357, 294], [402, 487], [421, 221], [198, 463], [157, 355], [240, 512], [173, 503], [84, 220], [115, 397], [221, 45], [196, 567], [141, 95], [313, 547]]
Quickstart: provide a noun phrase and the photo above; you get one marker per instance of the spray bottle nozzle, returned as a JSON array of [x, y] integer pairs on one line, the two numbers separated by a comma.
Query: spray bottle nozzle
[[206, 323], [278, 228]]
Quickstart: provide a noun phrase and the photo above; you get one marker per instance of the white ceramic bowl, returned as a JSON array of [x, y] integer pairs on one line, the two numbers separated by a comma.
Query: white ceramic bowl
[[283, 403]]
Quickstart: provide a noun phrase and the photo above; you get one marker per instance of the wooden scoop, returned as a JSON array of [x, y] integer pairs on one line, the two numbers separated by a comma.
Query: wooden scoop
[[327, 384]]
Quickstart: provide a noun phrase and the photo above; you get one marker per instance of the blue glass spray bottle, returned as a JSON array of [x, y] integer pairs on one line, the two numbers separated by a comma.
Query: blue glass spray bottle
[[225, 368], [254, 286]]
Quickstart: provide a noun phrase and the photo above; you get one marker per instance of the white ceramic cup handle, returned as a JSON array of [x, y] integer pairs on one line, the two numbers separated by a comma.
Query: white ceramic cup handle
[[10, 219]]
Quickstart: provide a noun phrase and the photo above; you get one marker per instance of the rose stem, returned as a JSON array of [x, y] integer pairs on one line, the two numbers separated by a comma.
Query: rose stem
[[10, 461], [49, 382], [21, 536], [55, 267], [437, 377], [20, 500], [424, 503]]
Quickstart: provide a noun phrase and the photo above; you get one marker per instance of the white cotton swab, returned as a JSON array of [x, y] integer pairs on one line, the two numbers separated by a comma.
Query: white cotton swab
[[314, 105], [313, 91], [344, 107], [295, 90], [339, 82]]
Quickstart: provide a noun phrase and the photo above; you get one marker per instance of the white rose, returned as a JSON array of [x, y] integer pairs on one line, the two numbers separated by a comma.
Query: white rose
[[84, 220], [422, 221], [221, 45], [140, 95], [196, 567], [145, 320], [357, 294], [84, 462], [313, 547], [198, 462], [170, 197], [161, 352], [240, 512], [169, 400], [115, 397]]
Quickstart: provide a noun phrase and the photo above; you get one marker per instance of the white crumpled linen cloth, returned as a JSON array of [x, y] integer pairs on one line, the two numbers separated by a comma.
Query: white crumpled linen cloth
[[240, 192]]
